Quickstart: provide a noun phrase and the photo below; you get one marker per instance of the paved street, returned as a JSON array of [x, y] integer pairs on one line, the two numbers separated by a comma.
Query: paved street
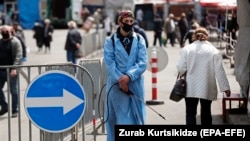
[[57, 53], [173, 112]]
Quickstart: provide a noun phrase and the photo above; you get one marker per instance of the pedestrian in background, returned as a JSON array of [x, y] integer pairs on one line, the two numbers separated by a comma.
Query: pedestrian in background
[[202, 64], [23, 44], [10, 54], [191, 15], [158, 23], [189, 35], [48, 31], [38, 35], [87, 25], [15, 16], [205, 22], [125, 60], [232, 26], [24, 50], [139, 16], [85, 14], [107, 25], [169, 29], [17, 31], [2, 18], [97, 18], [73, 42], [183, 27], [118, 12]]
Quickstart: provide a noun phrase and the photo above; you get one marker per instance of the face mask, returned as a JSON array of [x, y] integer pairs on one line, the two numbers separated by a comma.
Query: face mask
[[5, 35], [127, 27]]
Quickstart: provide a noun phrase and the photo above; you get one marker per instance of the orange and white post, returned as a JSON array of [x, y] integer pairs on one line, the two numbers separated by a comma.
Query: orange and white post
[[154, 68]]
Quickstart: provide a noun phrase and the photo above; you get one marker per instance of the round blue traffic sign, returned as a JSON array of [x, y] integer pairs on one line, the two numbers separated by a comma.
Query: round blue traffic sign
[[55, 101]]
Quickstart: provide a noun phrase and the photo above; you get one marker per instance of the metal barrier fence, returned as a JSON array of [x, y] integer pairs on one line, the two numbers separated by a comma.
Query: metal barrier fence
[[98, 71], [228, 43], [89, 73], [93, 42]]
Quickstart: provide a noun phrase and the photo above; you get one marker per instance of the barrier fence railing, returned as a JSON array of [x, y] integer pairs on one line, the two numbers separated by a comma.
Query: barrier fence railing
[[88, 73], [92, 42], [89, 77], [227, 42], [97, 70]]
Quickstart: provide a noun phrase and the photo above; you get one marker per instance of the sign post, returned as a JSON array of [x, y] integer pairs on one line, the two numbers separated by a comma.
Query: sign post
[[158, 62]]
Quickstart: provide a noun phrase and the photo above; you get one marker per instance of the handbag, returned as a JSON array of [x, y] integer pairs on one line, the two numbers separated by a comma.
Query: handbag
[[179, 90]]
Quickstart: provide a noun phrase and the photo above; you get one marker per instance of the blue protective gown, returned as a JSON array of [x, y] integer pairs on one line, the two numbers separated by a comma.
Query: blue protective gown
[[121, 108]]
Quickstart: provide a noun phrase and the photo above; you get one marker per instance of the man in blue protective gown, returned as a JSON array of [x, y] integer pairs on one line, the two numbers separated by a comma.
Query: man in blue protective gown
[[125, 57]]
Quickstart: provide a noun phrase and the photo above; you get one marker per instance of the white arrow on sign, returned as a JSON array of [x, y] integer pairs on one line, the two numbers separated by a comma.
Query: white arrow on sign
[[68, 101]]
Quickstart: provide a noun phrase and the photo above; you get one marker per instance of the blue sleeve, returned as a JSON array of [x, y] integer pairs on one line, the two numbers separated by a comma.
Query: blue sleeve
[[109, 60], [139, 66]]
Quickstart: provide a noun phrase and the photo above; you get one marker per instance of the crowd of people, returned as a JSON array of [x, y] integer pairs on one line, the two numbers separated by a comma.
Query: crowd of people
[[179, 28]]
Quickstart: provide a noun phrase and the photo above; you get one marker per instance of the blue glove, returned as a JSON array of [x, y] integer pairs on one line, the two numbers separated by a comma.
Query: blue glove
[[24, 59]]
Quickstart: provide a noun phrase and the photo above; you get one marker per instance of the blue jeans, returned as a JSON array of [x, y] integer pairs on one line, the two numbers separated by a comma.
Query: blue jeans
[[71, 56], [13, 91]]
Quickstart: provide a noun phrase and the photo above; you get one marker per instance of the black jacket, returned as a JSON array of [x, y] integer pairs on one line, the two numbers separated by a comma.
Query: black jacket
[[73, 37], [142, 32]]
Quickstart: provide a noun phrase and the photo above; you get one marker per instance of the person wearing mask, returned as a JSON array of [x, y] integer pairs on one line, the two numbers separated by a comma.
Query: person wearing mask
[[73, 42], [10, 54], [125, 62], [202, 64]]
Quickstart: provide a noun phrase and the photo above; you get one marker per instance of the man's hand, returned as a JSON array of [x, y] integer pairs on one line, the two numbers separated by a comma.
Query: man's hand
[[13, 73], [78, 45], [123, 83]]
